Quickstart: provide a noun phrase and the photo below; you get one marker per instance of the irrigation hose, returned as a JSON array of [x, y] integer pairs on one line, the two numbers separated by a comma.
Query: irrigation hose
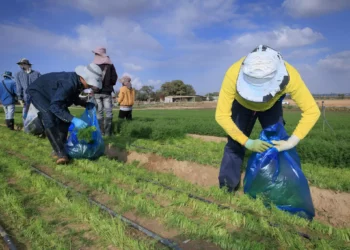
[[164, 241], [7, 239], [306, 236], [160, 239]]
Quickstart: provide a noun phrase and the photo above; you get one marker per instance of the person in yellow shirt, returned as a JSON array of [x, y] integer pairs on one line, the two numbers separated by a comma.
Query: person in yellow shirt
[[126, 98], [253, 88]]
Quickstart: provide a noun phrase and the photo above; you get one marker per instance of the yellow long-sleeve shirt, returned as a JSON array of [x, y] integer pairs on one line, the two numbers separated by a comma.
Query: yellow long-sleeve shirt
[[296, 88]]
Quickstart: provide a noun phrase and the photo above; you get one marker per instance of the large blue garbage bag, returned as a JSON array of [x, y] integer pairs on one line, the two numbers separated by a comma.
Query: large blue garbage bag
[[277, 176], [80, 149]]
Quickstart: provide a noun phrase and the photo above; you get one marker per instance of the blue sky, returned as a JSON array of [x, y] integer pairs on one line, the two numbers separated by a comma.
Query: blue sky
[[196, 41]]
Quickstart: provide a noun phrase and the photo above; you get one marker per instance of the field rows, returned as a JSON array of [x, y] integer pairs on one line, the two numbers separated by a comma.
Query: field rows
[[119, 186]]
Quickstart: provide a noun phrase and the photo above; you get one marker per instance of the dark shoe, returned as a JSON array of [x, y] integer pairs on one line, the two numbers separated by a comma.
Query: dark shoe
[[102, 128], [11, 125], [108, 126], [55, 139], [7, 123]]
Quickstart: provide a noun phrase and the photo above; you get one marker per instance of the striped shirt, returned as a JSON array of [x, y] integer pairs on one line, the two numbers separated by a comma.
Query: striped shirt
[[23, 80]]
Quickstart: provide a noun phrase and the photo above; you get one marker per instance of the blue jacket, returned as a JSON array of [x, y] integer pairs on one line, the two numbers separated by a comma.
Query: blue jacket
[[5, 97], [61, 89], [23, 81]]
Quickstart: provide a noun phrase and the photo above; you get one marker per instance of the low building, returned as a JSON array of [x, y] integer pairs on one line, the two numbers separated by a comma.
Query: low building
[[179, 98]]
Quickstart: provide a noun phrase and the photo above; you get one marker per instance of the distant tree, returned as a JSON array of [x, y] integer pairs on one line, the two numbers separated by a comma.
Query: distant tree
[[177, 87], [341, 96], [145, 93]]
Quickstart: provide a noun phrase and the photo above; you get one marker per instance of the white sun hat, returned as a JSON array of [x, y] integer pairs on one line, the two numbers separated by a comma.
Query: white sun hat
[[262, 75], [91, 73]]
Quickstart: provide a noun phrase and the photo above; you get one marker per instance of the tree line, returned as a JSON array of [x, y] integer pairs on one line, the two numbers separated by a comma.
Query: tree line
[[172, 88]]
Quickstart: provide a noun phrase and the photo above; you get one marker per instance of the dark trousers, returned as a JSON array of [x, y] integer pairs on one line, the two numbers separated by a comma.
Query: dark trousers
[[48, 119], [125, 114], [230, 170]]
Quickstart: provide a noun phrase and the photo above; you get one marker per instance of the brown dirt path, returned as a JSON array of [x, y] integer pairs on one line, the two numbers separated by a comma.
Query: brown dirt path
[[331, 207]]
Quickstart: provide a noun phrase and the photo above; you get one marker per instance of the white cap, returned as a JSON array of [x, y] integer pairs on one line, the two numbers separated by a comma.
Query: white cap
[[263, 74], [91, 73]]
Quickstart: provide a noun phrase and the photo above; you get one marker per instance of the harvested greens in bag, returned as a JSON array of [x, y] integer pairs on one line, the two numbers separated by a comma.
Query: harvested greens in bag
[[32, 123], [85, 143], [277, 176]]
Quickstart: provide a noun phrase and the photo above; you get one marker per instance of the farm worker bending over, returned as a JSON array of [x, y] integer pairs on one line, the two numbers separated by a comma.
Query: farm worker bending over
[[53, 93], [253, 88], [8, 98]]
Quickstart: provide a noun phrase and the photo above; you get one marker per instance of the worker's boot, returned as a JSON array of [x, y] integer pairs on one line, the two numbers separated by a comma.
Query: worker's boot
[[56, 142], [102, 128], [7, 123], [108, 126], [11, 125]]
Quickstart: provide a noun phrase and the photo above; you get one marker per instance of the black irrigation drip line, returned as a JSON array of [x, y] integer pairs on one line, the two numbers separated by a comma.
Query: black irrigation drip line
[[306, 236], [164, 241], [7, 239]]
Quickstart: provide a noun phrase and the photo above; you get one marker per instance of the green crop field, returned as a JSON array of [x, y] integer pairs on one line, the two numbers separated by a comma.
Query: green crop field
[[40, 214]]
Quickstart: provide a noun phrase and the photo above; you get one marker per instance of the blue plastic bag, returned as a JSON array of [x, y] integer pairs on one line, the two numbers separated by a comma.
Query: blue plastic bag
[[80, 149], [277, 176]]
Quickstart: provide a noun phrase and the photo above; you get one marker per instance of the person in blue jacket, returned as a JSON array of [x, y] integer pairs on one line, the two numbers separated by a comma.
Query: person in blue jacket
[[8, 98], [53, 93]]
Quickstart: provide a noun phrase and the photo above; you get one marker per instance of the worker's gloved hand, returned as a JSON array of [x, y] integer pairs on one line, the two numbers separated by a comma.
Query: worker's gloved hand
[[90, 105], [258, 146], [78, 123], [21, 102], [286, 145]]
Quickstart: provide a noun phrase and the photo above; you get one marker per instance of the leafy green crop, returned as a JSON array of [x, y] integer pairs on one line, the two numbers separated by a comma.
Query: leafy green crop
[[85, 134]]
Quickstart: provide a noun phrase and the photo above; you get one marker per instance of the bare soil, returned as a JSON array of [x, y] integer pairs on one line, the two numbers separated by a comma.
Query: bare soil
[[329, 103], [331, 207], [208, 138]]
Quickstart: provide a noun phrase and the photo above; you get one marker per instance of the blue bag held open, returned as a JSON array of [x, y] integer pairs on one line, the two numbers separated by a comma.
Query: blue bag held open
[[278, 178], [80, 149]]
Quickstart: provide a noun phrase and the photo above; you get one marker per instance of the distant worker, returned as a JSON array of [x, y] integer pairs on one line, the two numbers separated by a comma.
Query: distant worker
[[126, 98], [53, 93], [8, 98], [24, 79], [253, 88], [103, 97]]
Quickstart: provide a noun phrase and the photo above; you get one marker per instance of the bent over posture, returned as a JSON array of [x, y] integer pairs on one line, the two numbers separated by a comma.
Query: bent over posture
[[53, 93], [253, 88]]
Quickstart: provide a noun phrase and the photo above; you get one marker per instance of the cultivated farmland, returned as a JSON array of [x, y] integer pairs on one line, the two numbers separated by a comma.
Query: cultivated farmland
[[157, 176]]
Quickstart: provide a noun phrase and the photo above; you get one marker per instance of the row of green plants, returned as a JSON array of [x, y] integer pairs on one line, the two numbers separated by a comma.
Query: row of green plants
[[41, 215], [210, 153], [321, 148], [247, 226]]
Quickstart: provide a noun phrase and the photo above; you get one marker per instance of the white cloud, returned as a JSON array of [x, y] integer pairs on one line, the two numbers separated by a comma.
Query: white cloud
[[339, 62], [329, 74], [285, 37], [187, 15], [138, 84], [120, 37], [154, 83], [308, 8], [303, 53], [132, 67], [119, 8]]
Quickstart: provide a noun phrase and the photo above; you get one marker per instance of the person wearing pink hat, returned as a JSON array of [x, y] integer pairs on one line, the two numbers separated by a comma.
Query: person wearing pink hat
[[104, 96]]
